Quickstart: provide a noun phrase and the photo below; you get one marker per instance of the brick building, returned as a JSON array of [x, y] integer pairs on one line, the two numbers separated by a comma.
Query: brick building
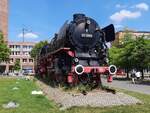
[[135, 34], [4, 18], [19, 51]]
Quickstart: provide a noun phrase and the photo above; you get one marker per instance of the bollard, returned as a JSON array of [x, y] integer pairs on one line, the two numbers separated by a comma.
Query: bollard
[[109, 78], [70, 79]]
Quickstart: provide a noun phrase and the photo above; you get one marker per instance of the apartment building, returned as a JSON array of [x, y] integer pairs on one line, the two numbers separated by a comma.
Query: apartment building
[[135, 34], [20, 51]]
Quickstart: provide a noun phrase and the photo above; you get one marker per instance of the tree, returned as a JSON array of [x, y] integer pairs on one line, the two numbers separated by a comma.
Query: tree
[[36, 49], [114, 54], [4, 50], [134, 53], [147, 42], [120, 55], [17, 65], [141, 54]]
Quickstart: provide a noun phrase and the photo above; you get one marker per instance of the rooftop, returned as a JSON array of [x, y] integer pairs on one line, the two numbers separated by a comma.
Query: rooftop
[[134, 31], [21, 43]]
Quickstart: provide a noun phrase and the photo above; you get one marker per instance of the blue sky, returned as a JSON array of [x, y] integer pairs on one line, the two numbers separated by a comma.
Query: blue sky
[[43, 18]]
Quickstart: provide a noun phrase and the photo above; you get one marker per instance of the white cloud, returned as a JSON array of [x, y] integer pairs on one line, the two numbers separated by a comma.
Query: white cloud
[[28, 35], [142, 6], [124, 14]]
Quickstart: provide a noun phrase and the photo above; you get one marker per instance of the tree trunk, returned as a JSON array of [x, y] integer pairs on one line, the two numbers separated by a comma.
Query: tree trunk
[[142, 74], [127, 73]]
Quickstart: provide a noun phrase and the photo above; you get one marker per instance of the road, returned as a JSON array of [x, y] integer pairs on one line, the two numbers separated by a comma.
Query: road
[[127, 85]]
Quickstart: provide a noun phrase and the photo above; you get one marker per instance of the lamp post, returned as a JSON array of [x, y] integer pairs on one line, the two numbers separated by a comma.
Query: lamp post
[[24, 30]]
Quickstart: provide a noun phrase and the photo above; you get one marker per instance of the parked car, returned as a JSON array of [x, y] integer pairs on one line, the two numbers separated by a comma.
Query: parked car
[[28, 72], [5, 74], [16, 73], [11, 74], [120, 72], [25, 72]]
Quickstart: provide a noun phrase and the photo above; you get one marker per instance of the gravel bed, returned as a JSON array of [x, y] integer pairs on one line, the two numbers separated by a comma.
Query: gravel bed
[[93, 99]]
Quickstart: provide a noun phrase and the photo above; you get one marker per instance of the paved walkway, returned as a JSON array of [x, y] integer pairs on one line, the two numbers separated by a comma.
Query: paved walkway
[[127, 85]]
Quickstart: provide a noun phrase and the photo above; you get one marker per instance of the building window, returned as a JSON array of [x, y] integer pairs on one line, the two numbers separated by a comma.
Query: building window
[[24, 47], [25, 53], [11, 60], [30, 60], [12, 53], [11, 46], [17, 53], [18, 46], [24, 60], [30, 47]]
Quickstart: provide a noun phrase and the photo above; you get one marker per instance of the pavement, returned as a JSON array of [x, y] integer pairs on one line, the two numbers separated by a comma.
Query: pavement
[[128, 85]]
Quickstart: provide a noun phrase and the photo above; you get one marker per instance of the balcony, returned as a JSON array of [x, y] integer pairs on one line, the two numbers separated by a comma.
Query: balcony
[[15, 49]]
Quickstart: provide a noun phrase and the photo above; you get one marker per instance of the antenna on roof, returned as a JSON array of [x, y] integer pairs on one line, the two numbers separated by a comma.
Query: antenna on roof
[[24, 31]]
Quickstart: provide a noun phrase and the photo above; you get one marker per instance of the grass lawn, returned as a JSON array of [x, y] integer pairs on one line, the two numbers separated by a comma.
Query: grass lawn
[[40, 104], [28, 103]]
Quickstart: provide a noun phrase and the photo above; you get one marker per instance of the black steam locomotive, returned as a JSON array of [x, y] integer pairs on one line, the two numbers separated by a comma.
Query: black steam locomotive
[[78, 53]]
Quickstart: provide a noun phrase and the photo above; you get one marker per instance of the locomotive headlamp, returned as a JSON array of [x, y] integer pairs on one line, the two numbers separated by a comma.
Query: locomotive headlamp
[[76, 60], [112, 69], [79, 69], [88, 22]]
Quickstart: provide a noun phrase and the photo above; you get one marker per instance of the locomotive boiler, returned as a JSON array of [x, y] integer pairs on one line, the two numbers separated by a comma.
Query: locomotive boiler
[[77, 53]]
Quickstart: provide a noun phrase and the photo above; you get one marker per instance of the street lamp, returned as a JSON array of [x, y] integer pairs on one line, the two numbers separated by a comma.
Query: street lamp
[[24, 31]]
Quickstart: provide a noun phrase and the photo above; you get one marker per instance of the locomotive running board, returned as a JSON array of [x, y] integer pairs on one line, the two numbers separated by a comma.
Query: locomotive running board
[[58, 50], [100, 70]]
